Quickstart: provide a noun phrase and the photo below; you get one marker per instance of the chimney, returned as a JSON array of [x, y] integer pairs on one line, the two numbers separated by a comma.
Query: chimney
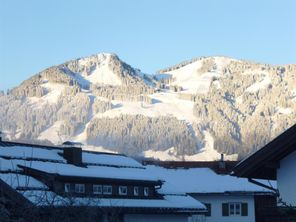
[[222, 163], [73, 152], [0, 136]]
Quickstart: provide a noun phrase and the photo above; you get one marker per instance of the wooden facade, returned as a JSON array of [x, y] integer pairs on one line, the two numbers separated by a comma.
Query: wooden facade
[[57, 183]]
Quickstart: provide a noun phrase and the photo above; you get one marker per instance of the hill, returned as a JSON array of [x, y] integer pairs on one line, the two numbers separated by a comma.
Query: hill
[[194, 110]]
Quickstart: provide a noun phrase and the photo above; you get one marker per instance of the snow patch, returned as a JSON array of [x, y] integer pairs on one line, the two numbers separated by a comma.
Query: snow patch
[[239, 99], [54, 90], [282, 110], [217, 84], [221, 62], [259, 85], [100, 72], [169, 154], [164, 104], [192, 80], [52, 94], [51, 133]]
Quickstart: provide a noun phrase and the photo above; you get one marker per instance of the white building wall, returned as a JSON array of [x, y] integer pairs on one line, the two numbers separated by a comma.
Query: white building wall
[[286, 179], [155, 218], [216, 207]]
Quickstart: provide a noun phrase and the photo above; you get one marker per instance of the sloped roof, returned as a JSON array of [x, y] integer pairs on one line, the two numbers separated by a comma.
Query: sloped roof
[[54, 154], [179, 202], [15, 158], [203, 181], [263, 164]]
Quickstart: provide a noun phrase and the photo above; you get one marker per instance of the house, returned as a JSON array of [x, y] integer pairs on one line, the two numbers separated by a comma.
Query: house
[[274, 161], [227, 198], [117, 187]]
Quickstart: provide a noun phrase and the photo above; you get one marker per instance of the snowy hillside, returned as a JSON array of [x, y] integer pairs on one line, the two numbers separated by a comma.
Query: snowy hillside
[[100, 73], [197, 76], [193, 111]]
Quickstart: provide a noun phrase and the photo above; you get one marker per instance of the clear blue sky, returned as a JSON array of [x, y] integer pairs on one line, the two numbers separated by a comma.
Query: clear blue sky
[[148, 34]]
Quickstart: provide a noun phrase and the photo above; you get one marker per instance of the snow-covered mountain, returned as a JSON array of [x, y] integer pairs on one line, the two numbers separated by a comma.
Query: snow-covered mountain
[[194, 110]]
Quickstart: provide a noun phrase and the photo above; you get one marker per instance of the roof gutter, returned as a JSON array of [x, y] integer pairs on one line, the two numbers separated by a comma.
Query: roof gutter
[[262, 185]]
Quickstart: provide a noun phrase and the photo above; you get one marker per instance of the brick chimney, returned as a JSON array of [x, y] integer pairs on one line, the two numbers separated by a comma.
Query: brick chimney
[[73, 153]]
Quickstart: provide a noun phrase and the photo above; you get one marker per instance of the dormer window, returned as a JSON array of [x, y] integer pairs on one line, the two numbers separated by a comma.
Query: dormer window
[[146, 191], [122, 190], [97, 189], [67, 188], [136, 191], [107, 189], [79, 188]]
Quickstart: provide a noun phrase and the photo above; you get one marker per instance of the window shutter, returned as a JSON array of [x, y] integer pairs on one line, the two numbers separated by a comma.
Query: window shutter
[[225, 209], [244, 209], [208, 206]]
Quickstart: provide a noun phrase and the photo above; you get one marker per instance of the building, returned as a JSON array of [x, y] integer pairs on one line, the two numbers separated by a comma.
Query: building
[[274, 161], [227, 198], [117, 187]]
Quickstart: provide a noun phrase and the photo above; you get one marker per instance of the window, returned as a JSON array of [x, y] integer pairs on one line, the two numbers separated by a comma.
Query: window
[[97, 189], [79, 188], [122, 190], [208, 206], [67, 187], [235, 209], [146, 191], [107, 189], [136, 191]]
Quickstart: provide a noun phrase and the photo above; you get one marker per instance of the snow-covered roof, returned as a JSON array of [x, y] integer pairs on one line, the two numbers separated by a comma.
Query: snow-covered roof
[[19, 181], [55, 154], [39, 194], [109, 159], [176, 182], [14, 157], [50, 160], [92, 171], [201, 180], [184, 201], [27, 152]]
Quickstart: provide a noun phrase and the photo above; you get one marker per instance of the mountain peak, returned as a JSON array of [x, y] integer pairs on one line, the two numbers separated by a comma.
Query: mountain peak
[[96, 69], [102, 69], [99, 57]]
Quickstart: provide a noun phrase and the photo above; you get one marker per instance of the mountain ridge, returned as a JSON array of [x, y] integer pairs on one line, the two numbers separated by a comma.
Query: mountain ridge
[[193, 111], [188, 61]]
